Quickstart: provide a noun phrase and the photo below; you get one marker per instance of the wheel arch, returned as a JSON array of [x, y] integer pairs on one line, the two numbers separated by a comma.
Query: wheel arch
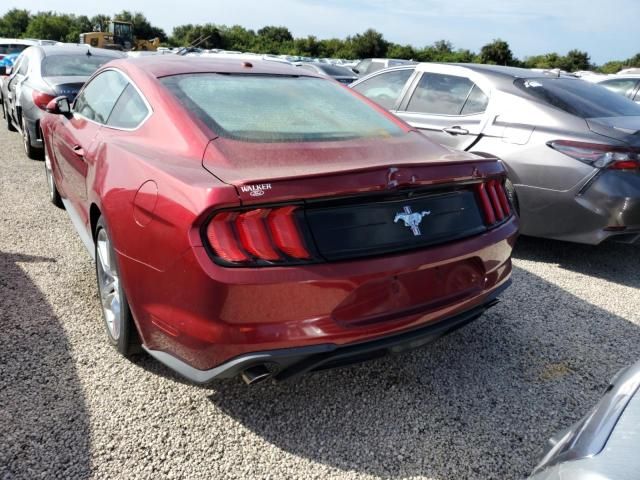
[[94, 216]]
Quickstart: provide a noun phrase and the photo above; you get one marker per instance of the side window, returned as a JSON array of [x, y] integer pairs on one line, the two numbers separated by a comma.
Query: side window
[[637, 97], [385, 88], [623, 86], [24, 66], [130, 110], [439, 94], [363, 66], [476, 102], [98, 98], [375, 66]]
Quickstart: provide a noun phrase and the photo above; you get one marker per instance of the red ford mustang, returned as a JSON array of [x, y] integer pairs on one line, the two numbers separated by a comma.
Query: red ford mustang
[[261, 220]]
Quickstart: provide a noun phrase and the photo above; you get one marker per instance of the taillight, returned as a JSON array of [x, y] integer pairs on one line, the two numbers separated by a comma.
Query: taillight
[[41, 100], [600, 155], [260, 236], [493, 200]]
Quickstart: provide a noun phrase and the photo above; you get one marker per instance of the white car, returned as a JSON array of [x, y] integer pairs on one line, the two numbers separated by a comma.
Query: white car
[[627, 85]]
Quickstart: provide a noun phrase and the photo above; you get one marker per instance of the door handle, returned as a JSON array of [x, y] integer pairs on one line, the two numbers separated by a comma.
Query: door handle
[[78, 150], [456, 130]]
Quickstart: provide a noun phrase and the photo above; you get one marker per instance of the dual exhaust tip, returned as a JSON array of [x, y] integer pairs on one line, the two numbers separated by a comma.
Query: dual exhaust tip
[[255, 374]]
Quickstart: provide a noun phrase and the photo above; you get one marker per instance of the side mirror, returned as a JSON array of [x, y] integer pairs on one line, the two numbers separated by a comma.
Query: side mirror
[[3, 70], [59, 106]]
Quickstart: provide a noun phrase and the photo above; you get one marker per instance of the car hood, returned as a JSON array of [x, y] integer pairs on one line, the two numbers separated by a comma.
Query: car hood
[[358, 166], [625, 129]]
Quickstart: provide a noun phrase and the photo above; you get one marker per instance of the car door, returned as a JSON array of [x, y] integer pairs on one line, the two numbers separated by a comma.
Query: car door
[[74, 138], [387, 87], [447, 108]]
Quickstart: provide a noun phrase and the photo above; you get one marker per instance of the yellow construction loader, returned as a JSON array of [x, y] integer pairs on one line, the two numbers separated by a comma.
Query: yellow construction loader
[[119, 36]]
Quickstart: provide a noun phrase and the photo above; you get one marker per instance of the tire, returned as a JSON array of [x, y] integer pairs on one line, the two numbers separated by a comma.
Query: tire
[[7, 118], [54, 195], [512, 196], [32, 153], [118, 320]]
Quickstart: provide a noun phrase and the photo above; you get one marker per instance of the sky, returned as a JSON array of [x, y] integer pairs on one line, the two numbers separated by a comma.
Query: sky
[[607, 30]]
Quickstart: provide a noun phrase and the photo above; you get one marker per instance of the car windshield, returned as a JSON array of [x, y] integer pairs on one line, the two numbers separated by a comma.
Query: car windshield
[[278, 108], [72, 65], [578, 97]]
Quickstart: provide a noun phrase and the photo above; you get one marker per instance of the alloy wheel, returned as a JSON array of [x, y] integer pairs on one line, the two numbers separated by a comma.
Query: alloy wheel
[[109, 285]]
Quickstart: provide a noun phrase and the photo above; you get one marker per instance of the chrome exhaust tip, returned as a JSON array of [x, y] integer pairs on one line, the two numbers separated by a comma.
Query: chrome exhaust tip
[[256, 374]]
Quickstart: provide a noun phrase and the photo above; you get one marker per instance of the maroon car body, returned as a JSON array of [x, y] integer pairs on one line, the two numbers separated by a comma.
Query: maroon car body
[[341, 292]]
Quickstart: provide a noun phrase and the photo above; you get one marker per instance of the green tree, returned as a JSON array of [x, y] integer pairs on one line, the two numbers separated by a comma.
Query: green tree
[[574, 60], [401, 51], [370, 44], [497, 53], [14, 23], [50, 26], [99, 23]]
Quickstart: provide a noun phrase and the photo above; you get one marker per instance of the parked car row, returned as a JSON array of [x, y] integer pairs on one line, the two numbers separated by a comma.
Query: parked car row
[[39, 75], [251, 217], [570, 147]]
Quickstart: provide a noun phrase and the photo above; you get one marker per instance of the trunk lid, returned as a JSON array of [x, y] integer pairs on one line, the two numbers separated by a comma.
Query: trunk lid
[[69, 86], [624, 129], [266, 172]]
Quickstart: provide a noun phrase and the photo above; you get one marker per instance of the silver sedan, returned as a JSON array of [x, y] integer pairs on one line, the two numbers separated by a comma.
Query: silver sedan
[[571, 147]]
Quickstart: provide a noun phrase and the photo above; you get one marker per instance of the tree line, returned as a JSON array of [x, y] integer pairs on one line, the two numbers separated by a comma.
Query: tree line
[[17, 23]]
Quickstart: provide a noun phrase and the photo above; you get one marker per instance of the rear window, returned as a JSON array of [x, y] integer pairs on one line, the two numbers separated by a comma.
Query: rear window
[[7, 48], [278, 108], [336, 71], [577, 97], [72, 65]]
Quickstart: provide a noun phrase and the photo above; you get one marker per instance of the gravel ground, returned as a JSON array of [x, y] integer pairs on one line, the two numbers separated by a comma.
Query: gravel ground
[[477, 404]]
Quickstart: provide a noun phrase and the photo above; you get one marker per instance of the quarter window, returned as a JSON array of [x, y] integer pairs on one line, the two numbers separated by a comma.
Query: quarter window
[[130, 110], [98, 98], [385, 88], [439, 94]]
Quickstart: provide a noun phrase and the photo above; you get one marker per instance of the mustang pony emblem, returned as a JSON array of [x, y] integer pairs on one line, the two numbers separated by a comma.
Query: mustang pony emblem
[[411, 219]]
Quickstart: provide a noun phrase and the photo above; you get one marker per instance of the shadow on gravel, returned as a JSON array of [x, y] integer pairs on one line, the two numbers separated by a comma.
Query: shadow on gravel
[[479, 403], [615, 262], [44, 427]]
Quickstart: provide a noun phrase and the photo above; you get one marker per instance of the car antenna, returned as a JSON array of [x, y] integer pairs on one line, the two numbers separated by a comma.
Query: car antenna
[[88, 53]]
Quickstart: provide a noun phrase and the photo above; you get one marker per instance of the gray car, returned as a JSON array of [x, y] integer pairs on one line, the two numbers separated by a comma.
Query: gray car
[[605, 443], [570, 147], [40, 74], [340, 74]]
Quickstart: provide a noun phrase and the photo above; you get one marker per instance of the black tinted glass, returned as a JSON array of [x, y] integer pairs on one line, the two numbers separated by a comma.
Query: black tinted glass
[[72, 65], [578, 97]]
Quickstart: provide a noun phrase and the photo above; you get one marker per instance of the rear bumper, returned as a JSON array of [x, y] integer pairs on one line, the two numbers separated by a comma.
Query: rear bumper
[[206, 315], [606, 207], [286, 364]]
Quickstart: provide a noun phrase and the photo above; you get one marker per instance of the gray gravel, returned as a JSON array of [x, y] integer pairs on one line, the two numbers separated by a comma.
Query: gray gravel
[[477, 404]]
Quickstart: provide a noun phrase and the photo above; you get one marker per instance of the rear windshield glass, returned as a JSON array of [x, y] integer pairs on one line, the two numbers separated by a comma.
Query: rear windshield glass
[[278, 108], [7, 48], [72, 65], [336, 71], [578, 97]]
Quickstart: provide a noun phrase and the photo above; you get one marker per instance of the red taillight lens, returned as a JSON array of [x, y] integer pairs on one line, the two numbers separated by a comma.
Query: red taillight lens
[[493, 200], [222, 239], [41, 100], [600, 155], [262, 234], [285, 233], [252, 230]]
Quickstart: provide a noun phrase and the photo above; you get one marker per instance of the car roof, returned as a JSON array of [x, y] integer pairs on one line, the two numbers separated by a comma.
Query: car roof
[[18, 41], [493, 70], [70, 49], [166, 65]]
